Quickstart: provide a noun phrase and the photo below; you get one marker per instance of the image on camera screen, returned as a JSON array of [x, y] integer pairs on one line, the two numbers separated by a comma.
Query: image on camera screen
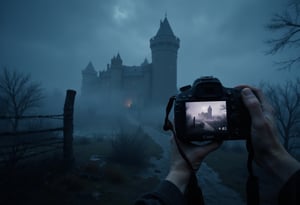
[[206, 117]]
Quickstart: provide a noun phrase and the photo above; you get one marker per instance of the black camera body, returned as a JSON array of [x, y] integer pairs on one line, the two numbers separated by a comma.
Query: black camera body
[[208, 111]]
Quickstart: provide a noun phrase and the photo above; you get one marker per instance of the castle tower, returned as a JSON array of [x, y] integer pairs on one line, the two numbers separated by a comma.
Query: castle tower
[[116, 73], [209, 112], [89, 80], [164, 46]]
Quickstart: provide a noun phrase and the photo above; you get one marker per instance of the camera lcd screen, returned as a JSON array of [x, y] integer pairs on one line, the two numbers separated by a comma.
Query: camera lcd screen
[[206, 118]]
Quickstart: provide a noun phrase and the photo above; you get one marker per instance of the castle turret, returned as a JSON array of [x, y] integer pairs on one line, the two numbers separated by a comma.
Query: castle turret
[[164, 46], [116, 73], [116, 61], [89, 80], [145, 63]]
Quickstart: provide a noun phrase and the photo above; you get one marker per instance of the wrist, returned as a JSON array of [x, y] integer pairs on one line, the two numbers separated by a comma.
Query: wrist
[[180, 178], [282, 165]]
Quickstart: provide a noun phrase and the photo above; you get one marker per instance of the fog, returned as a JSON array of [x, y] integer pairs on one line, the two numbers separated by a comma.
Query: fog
[[123, 81]]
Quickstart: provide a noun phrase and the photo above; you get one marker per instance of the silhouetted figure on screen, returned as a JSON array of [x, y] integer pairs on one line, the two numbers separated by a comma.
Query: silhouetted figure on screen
[[209, 112]]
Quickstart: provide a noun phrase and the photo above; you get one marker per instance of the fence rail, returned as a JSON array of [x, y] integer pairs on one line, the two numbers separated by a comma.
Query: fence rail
[[25, 150], [32, 116], [19, 149], [35, 143], [30, 132]]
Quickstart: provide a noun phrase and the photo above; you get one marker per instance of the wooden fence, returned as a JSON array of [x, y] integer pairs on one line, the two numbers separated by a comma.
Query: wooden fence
[[21, 146]]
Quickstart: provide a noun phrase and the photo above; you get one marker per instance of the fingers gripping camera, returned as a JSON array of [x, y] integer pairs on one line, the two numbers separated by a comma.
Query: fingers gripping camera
[[208, 111]]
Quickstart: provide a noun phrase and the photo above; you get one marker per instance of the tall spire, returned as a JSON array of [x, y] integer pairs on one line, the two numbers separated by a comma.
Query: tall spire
[[145, 62], [118, 57], [116, 60], [90, 69], [165, 28], [164, 35]]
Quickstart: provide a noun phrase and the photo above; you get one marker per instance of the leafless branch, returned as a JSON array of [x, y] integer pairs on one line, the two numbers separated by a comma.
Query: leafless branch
[[287, 64], [285, 100], [19, 94], [288, 24]]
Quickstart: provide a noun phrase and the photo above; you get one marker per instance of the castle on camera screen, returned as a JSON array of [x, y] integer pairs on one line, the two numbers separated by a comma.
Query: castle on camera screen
[[206, 117]]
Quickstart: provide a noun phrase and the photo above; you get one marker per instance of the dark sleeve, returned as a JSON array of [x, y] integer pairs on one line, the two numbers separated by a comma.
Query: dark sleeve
[[193, 193], [290, 192], [165, 194], [168, 194]]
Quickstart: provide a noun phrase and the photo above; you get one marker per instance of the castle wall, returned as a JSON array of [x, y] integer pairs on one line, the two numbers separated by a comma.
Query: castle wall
[[138, 85]]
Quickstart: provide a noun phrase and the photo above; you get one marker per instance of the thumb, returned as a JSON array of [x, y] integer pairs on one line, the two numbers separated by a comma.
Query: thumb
[[253, 105]]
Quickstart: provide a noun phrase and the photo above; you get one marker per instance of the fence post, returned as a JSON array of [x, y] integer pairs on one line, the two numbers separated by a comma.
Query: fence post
[[68, 127]]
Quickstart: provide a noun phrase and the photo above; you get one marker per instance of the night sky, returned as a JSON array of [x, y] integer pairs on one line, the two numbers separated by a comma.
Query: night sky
[[55, 39]]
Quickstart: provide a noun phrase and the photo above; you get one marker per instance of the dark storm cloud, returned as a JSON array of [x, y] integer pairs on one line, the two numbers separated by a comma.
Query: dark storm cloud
[[56, 39], [59, 23], [49, 37]]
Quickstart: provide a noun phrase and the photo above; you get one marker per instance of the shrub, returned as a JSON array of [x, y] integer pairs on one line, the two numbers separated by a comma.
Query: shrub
[[82, 140], [98, 137], [130, 149], [92, 168], [115, 174], [72, 183]]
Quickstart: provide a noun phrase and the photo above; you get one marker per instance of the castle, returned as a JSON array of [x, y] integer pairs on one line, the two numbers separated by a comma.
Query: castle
[[151, 83]]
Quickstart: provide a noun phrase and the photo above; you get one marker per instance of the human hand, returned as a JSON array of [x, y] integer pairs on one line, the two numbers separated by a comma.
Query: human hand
[[269, 153], [180, 171]]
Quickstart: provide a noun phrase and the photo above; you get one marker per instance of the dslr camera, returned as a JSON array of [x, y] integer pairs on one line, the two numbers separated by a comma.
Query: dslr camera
[[208, 111]]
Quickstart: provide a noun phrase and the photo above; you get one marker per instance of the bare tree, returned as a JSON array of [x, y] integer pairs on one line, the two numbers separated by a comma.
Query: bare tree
[[287, 25], [18, 94], [286, 103]]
